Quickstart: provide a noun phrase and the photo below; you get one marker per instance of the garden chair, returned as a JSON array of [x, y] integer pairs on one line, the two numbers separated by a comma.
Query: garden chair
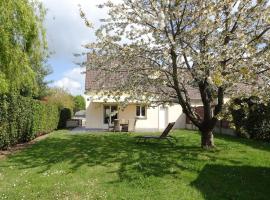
[[124, 125], [164, 135], [115, 127]]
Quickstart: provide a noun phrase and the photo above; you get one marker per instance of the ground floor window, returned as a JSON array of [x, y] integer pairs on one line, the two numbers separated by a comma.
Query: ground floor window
[[110, 114], [140, 111]]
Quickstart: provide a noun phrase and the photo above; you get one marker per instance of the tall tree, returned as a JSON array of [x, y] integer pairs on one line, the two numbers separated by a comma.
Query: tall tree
[[168, 47], [23, 47], [79, 103], [61, 98]]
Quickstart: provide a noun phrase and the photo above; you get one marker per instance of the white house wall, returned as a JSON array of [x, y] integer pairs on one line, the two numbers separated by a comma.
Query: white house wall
[[150, 123], [94, 116], [176, 115]]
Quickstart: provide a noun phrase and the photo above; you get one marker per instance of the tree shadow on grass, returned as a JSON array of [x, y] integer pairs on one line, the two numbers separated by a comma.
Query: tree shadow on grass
[[233, 182], [105, 150], [134, 160], [121, 154], [257, 144]]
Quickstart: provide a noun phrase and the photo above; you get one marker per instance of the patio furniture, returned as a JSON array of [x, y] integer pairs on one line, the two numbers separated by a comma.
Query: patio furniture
[[164, 136], [115, 127], [124, 125], [110, 127]]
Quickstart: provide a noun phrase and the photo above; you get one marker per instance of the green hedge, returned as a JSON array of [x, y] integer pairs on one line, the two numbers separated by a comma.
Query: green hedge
[[251, 118], [23, 119], [65, 115]]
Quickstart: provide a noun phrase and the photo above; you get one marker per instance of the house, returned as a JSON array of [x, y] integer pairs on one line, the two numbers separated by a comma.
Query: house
[[101, 111]]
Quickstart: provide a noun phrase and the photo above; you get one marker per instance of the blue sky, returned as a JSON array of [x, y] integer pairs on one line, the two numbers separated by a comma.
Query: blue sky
[[66, 33]]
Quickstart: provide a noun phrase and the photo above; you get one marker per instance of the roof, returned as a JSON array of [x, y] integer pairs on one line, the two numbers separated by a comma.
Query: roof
[[80, 113], [96, 80]]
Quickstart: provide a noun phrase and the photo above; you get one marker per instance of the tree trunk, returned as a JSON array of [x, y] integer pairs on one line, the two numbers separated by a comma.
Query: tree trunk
[[207, 139]]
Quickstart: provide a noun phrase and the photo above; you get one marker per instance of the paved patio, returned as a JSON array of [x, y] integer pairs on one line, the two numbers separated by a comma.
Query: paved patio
[[83, 129]]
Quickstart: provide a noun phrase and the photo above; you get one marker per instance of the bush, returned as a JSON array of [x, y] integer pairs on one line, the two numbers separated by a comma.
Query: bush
[[65, 114], [251, 118], [79, 103], [22, 119]]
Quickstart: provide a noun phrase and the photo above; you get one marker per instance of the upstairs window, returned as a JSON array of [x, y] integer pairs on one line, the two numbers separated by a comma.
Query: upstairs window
[[141, 111]]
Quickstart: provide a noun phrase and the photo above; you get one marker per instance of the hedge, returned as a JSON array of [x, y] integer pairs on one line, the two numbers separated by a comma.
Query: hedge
[[251, 118], [23, 119], [65, 115]]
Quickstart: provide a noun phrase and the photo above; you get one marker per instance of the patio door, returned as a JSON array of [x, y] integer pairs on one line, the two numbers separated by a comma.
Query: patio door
[[110, 114]]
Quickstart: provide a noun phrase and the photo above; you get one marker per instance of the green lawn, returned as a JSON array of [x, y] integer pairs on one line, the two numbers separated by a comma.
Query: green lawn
[[113, 166]]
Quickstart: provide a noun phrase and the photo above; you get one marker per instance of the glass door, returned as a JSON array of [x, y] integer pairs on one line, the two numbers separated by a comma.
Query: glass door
[[110, 114]]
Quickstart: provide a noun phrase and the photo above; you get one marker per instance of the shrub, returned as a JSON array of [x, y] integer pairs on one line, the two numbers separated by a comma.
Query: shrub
[[22, 119], [65, 114], [251, 118]]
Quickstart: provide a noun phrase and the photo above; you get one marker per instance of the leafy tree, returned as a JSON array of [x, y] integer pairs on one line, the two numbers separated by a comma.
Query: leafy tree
[[170, 47], [61, 98], [23, 47], [79, 103]]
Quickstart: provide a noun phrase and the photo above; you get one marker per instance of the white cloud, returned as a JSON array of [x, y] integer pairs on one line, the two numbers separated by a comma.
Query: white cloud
[[73, 81], [72, 86], [66, 31], [76, 74]]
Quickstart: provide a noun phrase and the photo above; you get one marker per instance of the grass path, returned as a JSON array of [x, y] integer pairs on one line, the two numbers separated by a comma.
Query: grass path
[[113, 166]]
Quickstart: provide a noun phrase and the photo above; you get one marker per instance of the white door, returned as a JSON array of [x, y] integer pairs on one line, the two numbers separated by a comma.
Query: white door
[[163, 117]]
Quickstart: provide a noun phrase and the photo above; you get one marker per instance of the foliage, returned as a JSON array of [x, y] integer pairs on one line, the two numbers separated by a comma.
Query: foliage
[[23, 47], [61, 98], [22, 119], [251, 118], [65, 103], [79, 102], [168, 48], [65, 114], [111, 166]]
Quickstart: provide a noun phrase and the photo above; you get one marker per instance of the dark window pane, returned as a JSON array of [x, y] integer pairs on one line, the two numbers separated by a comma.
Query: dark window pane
[[110, 114], [107, 112], [143, 111], [106, 120], [113, 118], [138, 111], [114, 113], [113, 109]]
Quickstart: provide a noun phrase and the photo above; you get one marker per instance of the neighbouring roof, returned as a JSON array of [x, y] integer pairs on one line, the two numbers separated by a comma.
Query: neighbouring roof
[[80, 113]]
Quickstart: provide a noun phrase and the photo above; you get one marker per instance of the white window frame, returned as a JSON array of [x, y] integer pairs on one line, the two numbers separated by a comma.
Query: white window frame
[[141, 116]]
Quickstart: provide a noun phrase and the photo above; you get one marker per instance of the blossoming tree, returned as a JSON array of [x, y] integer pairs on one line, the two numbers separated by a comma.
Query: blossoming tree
[[167, 47]]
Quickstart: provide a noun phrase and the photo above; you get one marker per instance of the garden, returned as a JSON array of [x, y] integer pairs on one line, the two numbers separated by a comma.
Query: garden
[[69, 165]]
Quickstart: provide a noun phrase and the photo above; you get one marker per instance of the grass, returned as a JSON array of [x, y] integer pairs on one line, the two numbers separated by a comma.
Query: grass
[[113, 166]]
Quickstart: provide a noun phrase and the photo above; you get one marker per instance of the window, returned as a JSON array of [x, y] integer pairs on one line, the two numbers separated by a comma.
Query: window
[[140, 111], [110, 114]]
